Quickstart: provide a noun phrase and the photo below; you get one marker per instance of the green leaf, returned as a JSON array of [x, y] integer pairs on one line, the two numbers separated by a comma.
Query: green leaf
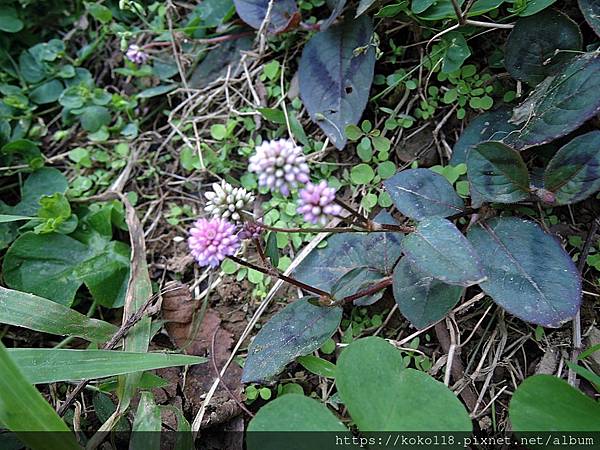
[[546, 403], [456, 51], [535, 6], [335, 76], [318, 366], [28, 151], [497, 173], [7, 218], [157, 90], [49, 365], [39, 314], [573, 174], [591, 12], [421, 193], [443, 9], [382, 395], [585, 374], [48, 92], [296, 330], [559, 105], [9, 22], [422, 299], [491, 125], [439, 249], [99, 12], [273, 115], [147, 425], [528, 272], [362, 174], [93, 118], [539, 45], [36, 423]]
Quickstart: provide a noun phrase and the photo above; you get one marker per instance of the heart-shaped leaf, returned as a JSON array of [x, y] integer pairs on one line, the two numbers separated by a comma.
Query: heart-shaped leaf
[[489, 126], [591, 12], [547, 403], [573, 174], [538, 45], [497, 172], [382, 395], [528, 272], [284, 14], [296, 330], [440, 250], [422, 299], [560, 105], [421, 193], [335, 76]]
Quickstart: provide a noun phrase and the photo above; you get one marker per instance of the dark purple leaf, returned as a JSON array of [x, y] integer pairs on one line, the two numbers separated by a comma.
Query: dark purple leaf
[[284, 14]]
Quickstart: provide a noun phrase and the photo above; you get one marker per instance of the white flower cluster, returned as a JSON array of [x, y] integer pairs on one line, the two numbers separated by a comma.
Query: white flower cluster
[[227, 202]]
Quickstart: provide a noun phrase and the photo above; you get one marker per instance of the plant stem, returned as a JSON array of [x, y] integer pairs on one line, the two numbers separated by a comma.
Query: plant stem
[[276, 273], [372, 290], [352, 211]]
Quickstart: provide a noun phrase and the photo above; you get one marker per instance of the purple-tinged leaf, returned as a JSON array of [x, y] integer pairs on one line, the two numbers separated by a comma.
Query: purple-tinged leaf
[[573, 174], [336, 10], [559, 104], [528, 272], [497, 173], [296, 330], [440, 250], [591, 13], [421, 193], [284, 14], [422, 299], [336, 72]]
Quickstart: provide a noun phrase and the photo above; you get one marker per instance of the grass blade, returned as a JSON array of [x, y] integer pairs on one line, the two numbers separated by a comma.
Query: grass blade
[[146, 426], [34, 413], [49, 365], [40, 314]]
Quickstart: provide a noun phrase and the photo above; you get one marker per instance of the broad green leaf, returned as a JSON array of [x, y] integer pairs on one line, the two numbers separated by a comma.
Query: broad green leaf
[[39, 314], [456, 51], [538, 45], [157, 90], [211, 13], [147, 425], [489, 126], [293, 413], [318, 366], [497, 172], [535, 6], [422, 299], [421, 193], [9, 22], [335, 76], [440, 250], [93, 118], [591, 12], [528, 272], [99, 12], [48, 92], [27, 151], [24, 411], [382, 395], [284, 14], [7, 218], [559, 105], [49, 365], [573, 174], [44, 181], [296, 330], [547, 403], [443, 9], [374, 253]]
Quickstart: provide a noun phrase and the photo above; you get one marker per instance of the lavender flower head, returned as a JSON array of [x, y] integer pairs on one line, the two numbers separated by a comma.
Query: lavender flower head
[[136, 55], [250, 230], [210, 241], [316, 203], [280, 165]]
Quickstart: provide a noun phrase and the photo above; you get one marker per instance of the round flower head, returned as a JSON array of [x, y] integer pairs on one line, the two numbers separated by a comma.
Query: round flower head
[[210, 241], [250, 230], [136, 55], [280, 165], [227, 202], [316, 203]]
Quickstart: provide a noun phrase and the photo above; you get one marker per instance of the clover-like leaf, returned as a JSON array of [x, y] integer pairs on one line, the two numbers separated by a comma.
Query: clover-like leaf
[[497, 172], [573, 174], [528, 272], [335, 76], [591, 11], [296, 330], [284, 14], [547, 403], [538, 45], [559, 105], [422, 299], [440, 250], [421, 193], [382, 395]]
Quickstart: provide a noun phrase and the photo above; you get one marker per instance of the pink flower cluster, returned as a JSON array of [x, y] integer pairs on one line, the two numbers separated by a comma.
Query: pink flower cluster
[[210, 241], [280, 165], [317, 203], [136, 55]]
